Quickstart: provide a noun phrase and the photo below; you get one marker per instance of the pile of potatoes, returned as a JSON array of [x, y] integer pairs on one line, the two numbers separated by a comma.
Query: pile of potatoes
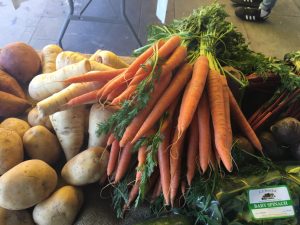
[[34, 186], [29, 190]]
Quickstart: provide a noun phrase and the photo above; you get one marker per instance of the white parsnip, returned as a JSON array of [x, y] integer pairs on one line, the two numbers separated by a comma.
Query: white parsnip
[[69, 128], [57, 101], [98, 114], [68, 57], [49, 54], [44, 85], [108, 58]]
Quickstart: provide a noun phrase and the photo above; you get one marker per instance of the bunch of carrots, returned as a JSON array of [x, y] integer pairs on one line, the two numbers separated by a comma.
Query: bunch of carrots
[[189, 109]]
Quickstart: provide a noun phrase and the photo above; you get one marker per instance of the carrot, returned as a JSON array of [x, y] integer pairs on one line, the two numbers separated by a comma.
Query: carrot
[[132, 196], [216, 104], [115, 93], [133, 68], [170, 94], [110, 139], [175, 163], [142, 154], [157, 191], [90, 97], [204, 132], [176, 58], [113, 157], [136, 123], [125, 95], [243, 123], [100, 76], [164, 155], [192, 93], [183, 187], [227, 112], [192, 151], [141, 75], [124, 162]]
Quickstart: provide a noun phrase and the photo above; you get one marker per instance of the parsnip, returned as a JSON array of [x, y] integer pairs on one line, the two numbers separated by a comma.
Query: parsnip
[[98, 114], [49, 54], [57, 101], [108, 58], [44, 85], [96, 66], [69, 128], [67, 58]]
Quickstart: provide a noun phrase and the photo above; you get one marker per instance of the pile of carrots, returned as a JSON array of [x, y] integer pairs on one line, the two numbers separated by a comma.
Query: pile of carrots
[[197, 108]]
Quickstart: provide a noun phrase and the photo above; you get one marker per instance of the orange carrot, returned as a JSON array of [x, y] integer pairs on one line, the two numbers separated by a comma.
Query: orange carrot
[[133, 68], [227, 112], [110, 139], [156, 191], [192, 93], [113, 157], [136, 123], [90, 97], [204, 132], [166, 49], [170, 94], [243, 123], [192, 151], [124, 162], [175, 163], [176, 58], [164, 155], [115, 93], [142, 154], [127, 93], [100, 76], [216, 104], [132, 196]]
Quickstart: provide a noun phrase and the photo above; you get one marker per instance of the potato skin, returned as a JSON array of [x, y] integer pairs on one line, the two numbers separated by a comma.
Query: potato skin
[[20, 60], [87, 167], [26, 184], [11, 150], [10, 85], [15, 217], [34, 119], [15, 124], [40, 143], [12, 105], [60, 208]]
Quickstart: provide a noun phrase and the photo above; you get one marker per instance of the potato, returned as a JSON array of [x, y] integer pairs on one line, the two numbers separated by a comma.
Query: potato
[[11, 150], [60, 208], [26, 184], [87, 167], [10, 85], [287, 131], [34, 119], [15, 217], [20, 126], [12, 105], [40, 143], [20, 60]]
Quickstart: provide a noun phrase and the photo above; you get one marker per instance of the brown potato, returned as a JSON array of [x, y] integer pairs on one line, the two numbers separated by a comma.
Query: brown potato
[[34, 119], [87, 167], [15, 217], [11, 150], [61, 207], [20, 60], [10, 85], [12, 105], [15, 124], [40, 143], [26, 184]]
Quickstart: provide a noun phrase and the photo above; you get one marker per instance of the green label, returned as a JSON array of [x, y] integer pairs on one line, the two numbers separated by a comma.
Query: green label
[[270, 203]]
